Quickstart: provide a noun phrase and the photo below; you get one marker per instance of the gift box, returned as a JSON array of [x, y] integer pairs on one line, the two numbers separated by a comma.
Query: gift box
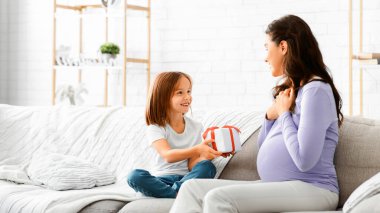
[[227, 138]]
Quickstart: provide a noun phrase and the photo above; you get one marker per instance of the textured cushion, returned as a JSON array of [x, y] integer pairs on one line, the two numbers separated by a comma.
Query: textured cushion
[[357, 156], [371, 204], [104, 206], [242, 165], [156, 205], [363, 192], [64, 172]]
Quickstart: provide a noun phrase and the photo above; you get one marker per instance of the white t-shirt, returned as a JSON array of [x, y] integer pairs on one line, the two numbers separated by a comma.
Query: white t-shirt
[[190, 137]]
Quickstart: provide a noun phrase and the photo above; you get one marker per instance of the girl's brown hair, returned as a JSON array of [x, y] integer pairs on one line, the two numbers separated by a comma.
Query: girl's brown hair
[[303, 59], [158, 103]]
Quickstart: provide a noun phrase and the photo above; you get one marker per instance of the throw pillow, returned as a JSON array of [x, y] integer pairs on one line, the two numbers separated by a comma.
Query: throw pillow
[[64, 172], [364, 191], [371, 204]]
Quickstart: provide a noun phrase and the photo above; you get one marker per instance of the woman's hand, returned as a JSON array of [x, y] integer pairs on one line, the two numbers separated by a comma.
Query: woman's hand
[[207, 152], [284, 101], [272, 112]]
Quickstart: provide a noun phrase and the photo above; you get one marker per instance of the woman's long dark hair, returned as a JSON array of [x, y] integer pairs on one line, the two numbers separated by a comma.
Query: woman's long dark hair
[[303, 59]]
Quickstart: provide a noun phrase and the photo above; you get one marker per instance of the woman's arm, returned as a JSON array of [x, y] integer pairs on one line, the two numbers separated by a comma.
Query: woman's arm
[[265, 128], [270, 117], [306, 143]]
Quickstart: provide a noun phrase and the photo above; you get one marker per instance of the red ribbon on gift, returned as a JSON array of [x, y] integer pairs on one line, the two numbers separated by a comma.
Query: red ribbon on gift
[[212, 135], [232, 136], [211, 129]]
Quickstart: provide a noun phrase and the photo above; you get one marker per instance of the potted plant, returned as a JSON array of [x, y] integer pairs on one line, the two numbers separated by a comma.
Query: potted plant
[[109, 50]]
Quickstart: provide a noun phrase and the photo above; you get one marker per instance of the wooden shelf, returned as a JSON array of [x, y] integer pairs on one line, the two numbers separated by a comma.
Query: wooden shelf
[[356, 58], [140, 8], [79, 7], [138, 60], [97, 6], [116, 13]]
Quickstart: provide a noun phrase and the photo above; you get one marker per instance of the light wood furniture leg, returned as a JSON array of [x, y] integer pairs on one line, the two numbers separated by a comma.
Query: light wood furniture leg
[[350, 98]]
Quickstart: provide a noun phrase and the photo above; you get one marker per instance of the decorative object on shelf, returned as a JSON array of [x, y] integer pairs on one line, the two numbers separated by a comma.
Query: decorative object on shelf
[[361, 56], [67, 61], [62, 55], [109, 51], [110, 3], [375, 61], [68, 94]]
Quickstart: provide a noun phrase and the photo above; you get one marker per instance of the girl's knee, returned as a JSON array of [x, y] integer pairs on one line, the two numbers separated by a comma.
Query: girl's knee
[[207, 168], [135, 176]]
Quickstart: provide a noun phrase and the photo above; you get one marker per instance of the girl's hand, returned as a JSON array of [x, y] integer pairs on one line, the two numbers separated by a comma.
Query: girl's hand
[[227, 154], [284, 101], [207, 152]]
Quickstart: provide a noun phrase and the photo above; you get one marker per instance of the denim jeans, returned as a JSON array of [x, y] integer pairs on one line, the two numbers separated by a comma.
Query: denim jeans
[[167, 186]]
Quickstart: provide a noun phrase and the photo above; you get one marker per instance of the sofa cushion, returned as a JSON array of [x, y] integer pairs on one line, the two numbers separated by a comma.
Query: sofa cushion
[[357, 156], [104, 206], [157, 205]]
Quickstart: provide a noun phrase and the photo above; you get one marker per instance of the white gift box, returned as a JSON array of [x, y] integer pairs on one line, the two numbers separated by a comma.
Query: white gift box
[[223, 140]]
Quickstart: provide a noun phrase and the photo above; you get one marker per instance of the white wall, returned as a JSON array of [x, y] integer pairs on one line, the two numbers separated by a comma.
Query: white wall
[[29, 52], [3, 50], [218, 42]]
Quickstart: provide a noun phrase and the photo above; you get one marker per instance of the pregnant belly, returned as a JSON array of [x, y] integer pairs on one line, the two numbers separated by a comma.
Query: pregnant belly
[[274, 162]]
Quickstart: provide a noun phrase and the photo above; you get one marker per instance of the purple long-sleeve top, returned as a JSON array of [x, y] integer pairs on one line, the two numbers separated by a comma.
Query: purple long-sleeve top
[[301, 145]]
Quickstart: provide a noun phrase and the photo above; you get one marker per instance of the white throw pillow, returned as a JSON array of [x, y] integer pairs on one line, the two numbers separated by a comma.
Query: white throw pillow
[[371, 204], [364, 191], [63, 172]]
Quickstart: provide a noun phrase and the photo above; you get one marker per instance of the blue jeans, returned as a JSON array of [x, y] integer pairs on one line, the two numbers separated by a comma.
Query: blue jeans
[[167, 186]]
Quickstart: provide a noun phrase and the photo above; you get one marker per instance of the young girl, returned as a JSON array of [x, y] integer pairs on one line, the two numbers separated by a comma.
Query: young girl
[[177, 139]]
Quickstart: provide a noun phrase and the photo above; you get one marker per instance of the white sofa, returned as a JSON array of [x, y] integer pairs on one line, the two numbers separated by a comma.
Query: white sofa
[[113, 139]]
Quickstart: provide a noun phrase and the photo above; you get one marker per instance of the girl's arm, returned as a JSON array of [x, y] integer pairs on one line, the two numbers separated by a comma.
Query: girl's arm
[[306, 143], [193, 161], [175, 155]]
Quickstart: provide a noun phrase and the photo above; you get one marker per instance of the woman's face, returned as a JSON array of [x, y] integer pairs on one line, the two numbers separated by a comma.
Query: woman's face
[[275, 56]]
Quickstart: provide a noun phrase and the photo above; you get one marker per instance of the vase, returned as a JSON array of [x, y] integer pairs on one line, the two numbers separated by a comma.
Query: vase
[[108, 58]]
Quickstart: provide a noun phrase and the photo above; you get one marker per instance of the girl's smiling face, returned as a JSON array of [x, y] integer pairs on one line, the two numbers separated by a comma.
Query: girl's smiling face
[[181, 99]]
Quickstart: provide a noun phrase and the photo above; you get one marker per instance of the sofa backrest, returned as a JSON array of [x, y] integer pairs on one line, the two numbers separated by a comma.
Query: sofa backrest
[[357, 157], [242, 165]]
